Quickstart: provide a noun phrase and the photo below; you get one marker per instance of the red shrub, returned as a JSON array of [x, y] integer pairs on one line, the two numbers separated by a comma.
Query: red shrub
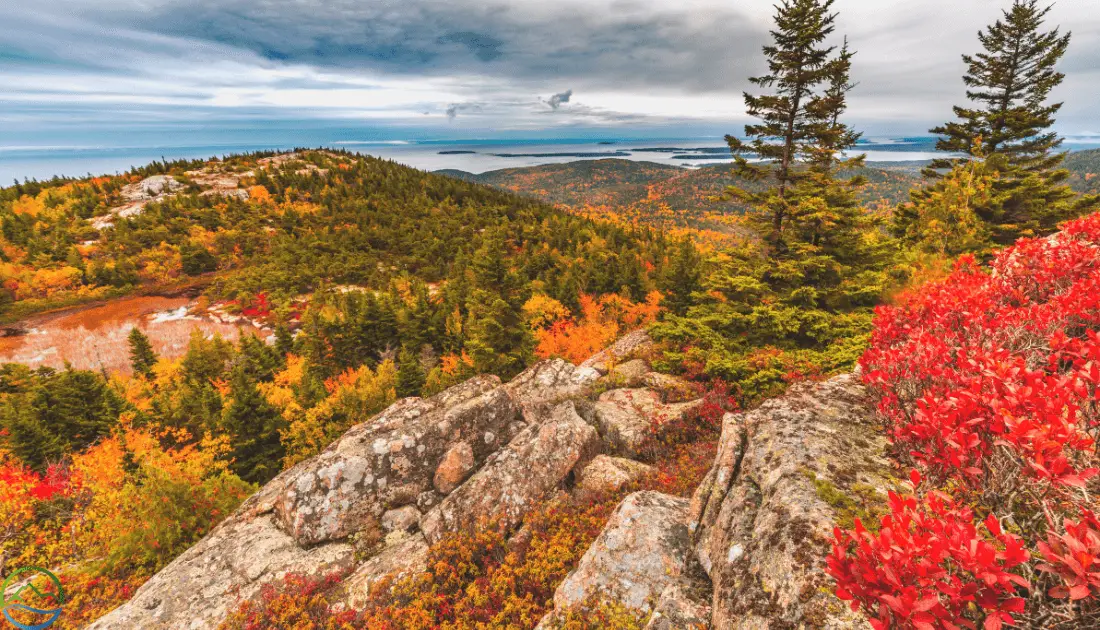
[[989, 382]]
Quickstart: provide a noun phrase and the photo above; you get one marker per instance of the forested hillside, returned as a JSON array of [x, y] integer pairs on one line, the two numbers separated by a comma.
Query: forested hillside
[[1084, 169], [375, 280], [660, 195]]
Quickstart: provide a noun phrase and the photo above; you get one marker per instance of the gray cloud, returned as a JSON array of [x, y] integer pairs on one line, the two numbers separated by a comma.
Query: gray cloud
[[591, 43], [642, 62], [557, 99]]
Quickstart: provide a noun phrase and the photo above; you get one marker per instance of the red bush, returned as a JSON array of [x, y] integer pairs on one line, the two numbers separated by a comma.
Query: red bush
[[989, 382]]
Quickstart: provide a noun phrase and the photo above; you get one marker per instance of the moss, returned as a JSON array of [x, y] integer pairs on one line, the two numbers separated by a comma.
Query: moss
[[860, 500]]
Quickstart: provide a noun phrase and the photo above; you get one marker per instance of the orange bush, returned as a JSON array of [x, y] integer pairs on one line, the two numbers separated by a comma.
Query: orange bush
[[602, 321]]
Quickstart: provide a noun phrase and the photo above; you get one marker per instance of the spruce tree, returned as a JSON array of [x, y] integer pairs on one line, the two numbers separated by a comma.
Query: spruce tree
[[799, 62], [142, 356], [1008, 124], [253, 427], [497, 337], [410, 375]]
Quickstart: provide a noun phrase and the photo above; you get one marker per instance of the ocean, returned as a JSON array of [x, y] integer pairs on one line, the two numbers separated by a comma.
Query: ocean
[[118, 153]]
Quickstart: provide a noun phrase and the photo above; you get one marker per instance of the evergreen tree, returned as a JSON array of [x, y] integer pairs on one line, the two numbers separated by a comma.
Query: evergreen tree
[[253, 426], [142, 357], [59, 413], [284, 340], [410, 375], [1009, 124], [799, 62], [497, 337], [683, 277]]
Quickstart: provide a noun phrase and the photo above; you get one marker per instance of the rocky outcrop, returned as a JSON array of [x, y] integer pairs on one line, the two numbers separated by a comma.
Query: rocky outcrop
[[643, 550], [625, 417], [377, 477], [373, 502], [763, 516], [605, 475], [203, 585], [551, 381], [629, 374], [673, 389], [516, 479], [403, 557], [388, 462]]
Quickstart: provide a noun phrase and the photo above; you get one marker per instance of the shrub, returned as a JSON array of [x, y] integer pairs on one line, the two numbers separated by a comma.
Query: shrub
[[989, 383]]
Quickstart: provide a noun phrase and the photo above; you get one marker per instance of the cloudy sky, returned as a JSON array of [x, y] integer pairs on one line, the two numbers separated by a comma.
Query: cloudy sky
[[513, 66]]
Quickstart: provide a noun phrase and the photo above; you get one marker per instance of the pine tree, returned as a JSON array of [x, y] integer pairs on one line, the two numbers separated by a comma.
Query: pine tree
[[497, 336], [1010, 122], [253, 427], [410, 375], [683, 277], [142, 356], [799, 62]]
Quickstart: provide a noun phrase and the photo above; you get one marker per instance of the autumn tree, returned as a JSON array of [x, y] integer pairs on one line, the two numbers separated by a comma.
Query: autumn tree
[[1010, 118], [142, 356]]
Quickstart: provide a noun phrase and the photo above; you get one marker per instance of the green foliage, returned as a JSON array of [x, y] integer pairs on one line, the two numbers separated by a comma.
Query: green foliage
[[800, 302], [253, 426], [142, 356], [410, 375], [1009, 124], [48, 414]]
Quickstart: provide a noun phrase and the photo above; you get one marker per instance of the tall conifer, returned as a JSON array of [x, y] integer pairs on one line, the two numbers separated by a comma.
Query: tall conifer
[[799, 63], [1008, 124]]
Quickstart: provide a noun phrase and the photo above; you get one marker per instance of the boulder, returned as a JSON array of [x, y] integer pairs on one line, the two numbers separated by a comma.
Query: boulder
[[402, 519], [551, 381], [762, 518], [458, 462], [644, 548], [625, 347], [680, 608], [673, 389], [404, 558], [389, 461], [197, 590], [625, 416], [517, 478], [606, 474], [629, 374]]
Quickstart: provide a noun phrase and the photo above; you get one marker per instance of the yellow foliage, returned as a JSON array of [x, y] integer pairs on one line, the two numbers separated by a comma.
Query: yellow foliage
[[28, 206], [259, 194], [354, 396], [542, 310]]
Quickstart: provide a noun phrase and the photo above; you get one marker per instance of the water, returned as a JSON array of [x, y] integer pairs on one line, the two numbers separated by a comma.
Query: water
[[21, 159]]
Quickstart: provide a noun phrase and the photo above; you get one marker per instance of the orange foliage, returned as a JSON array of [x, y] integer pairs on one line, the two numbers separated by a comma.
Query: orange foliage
[[602, 321]]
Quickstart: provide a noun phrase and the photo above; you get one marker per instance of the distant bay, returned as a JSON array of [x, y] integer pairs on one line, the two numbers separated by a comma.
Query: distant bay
[[27, 160]]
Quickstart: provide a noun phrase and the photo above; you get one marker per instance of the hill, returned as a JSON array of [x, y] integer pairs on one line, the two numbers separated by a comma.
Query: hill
[[667, 196], [1084, 169], [659, 194], [313, 289]]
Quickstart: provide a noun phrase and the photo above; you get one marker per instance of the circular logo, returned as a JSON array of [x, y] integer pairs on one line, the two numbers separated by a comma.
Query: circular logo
[[36, 600]]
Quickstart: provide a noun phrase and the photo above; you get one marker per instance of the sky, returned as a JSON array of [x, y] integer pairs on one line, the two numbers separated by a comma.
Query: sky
[[468, 68]]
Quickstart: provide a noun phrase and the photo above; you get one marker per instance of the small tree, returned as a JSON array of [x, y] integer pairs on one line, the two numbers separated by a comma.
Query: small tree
[[142, 356], [410, 375]]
